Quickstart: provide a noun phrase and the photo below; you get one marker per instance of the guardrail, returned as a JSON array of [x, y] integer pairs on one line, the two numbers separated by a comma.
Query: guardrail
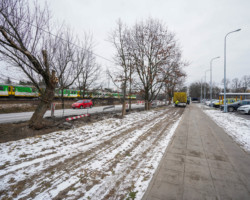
[[108, 107]]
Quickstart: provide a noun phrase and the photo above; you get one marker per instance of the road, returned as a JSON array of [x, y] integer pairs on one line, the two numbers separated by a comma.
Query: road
[[24, 116]]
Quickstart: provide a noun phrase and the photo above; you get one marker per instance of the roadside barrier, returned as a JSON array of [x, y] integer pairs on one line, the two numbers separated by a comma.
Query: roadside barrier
[[53, 108], [77, 117], [140, 102]]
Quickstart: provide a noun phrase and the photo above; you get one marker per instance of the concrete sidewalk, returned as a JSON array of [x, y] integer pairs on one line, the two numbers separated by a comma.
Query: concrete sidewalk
[[202, 162]]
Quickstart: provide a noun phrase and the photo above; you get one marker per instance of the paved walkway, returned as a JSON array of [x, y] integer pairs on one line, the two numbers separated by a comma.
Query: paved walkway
[[202, 162]]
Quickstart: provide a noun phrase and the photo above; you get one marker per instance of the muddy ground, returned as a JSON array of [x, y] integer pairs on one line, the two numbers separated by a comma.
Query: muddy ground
[[113, 159], [20, 130]]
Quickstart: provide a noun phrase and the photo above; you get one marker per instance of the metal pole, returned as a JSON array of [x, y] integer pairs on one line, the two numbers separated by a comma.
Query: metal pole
[[201, 90], [211, 78], [205, 83], [225, 40], [211, 82], [205, 87], [225, 107]]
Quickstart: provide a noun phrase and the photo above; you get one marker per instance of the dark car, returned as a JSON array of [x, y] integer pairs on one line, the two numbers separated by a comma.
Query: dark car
[[85, 103], [234, 106]]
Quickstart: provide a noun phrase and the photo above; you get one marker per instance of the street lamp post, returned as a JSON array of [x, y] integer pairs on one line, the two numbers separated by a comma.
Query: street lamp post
[[205, 83], [211, 78], [201, 91], [225, 40]]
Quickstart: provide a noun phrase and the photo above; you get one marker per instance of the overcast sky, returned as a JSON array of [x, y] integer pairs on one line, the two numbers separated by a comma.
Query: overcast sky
[[199, 25]]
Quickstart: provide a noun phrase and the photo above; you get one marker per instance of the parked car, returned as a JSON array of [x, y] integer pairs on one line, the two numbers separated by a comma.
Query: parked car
[[82, 104], [244, 109], [214, 102], [234, 106], [228, 101], [208, 102]]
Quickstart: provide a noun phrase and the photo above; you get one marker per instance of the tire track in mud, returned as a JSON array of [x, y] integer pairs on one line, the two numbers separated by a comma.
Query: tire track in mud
[[133, 164], [109, 145], [65, 140], [92, 153], [80, 144]]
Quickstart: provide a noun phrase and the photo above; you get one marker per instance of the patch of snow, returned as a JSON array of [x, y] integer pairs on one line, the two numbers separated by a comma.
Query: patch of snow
[[91, 160], [237, 127]]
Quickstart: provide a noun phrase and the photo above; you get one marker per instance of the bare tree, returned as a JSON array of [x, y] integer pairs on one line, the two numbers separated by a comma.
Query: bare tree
[[8, 81], [236, 85], [24, 45], [245, 80], [69, 60], [119, 39], [174, 77], [89, 74], [153, 50], [195, 89], [215, 91], [227, 84]]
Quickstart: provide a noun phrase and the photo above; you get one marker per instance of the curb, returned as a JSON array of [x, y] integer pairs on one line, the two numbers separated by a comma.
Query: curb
[[77, 117]]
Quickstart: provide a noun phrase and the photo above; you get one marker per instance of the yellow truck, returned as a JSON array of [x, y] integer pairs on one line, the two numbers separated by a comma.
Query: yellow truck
[[180, 99]]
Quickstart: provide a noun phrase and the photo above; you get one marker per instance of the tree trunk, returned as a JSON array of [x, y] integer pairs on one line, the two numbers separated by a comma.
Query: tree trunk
[[124, 98], [130, 88], [62, 98], [149, 105], [47, 97], [36, 119], [123, 108], [147, 100], [130, 102], [146, 105]]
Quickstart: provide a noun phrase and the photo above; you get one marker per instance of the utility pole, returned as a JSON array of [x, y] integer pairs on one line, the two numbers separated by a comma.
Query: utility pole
[[201, 91]]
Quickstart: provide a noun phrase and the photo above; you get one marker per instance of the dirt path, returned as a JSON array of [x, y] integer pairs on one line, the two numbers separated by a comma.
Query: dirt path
[[105, 160]]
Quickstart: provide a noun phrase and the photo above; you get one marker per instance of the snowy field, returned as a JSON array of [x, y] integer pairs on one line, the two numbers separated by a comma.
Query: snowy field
[[237, 127], [111, 159]]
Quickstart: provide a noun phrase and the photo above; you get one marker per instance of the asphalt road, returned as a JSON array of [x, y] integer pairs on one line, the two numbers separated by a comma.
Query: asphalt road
[[24, 116]]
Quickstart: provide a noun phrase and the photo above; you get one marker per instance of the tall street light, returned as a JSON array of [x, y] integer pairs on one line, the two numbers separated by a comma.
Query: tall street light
[[211, 78], [201, 92], [205, 83], [225, 40]]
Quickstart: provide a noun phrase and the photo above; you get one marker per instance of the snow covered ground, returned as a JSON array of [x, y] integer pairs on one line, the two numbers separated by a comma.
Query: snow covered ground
[[237, 127], [111, 159]]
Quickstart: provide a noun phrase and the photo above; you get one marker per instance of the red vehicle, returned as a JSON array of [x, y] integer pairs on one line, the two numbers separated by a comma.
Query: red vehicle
[[85, 103]]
